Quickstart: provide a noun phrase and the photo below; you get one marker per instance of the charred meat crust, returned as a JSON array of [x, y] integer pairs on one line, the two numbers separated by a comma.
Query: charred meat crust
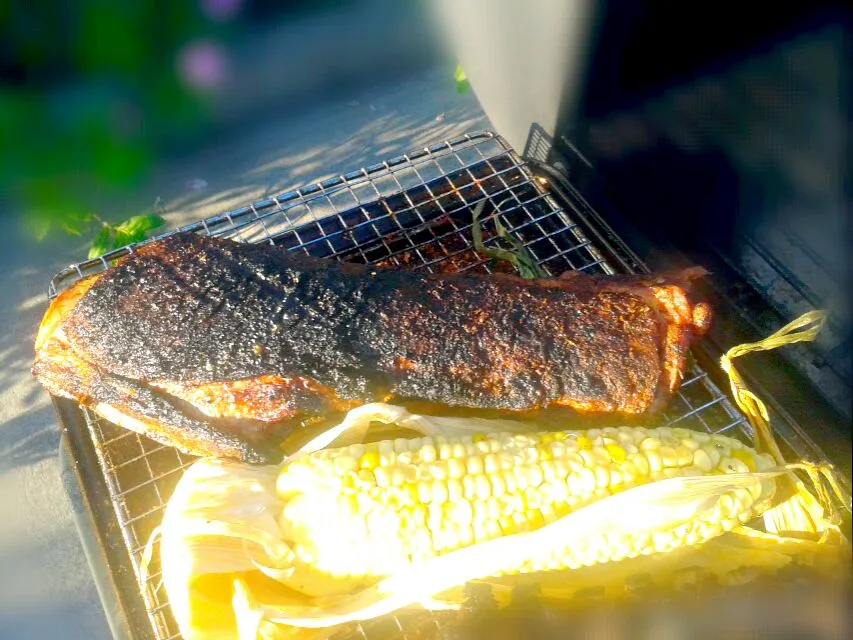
[[195, 310]]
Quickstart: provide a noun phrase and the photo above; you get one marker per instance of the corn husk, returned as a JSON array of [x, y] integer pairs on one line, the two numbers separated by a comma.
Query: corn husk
[[220, 533], [221, 548]]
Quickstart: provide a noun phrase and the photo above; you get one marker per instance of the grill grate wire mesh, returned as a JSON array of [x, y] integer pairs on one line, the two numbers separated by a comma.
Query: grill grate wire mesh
[[410, 212]]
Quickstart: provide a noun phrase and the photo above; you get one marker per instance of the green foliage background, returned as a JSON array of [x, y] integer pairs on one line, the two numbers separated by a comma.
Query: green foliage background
[[90, 94], [89, 91]]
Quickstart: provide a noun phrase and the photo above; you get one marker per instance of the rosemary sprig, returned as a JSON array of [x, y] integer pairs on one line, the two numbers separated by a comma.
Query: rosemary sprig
[[519, 256]]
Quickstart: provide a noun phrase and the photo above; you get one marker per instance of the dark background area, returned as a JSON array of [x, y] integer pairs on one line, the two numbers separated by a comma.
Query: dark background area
[[720, 133], [645, 48]]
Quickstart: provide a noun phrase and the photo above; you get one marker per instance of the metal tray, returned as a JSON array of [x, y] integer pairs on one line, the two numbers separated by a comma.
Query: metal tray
[[413, 211]]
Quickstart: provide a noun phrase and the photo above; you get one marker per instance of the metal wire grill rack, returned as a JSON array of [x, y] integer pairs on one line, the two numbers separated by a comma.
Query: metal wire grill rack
[[410, 212]]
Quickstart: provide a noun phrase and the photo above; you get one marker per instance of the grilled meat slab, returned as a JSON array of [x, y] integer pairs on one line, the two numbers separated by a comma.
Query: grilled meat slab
[[222, 348]]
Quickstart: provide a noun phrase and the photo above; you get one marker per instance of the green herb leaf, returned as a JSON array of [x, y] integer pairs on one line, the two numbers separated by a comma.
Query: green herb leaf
[[102, 242], [136, 228], [461, 78], [459, 75], [519, 257], [73, 223]]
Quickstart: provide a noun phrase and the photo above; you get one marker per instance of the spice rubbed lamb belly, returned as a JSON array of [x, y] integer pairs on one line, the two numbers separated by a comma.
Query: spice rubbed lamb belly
[[223, 348]]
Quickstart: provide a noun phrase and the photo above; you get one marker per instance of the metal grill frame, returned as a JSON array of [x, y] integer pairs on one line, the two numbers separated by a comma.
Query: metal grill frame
[[407, 205]]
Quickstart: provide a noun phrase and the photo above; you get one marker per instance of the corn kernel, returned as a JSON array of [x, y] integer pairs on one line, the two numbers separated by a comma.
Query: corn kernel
[[721, 444], [534, 498], [480, 532], [483, 487], [661, 540], [438, 470], [344, 463], [544, 453], [713, 453], [684, 455], [469, 487], [382, 477], [520, 522], [641, 463], [439, 492], [702, 460], [465, 535], [498, 484], [509, 481], [439, 539], [493, 509], [366, 480], [586, 481], [602, 476], [556, 491], [370, 460], [535, 519], [534, 476], [690, 443], [650, 444], [455, 491], [520, 473], [513, 503], [744, 456], [412, 473], [480, 511], [490, 463], [548, 512], [493, 530], [462, 512], [733, 465], [665, 433], [562, 509], [574, 461], [455, 468], [549, 471], [475, 465], [355, 450], [616, 452], [483, 446], [425, 491], [615, 478], [668, 456], [364, 502], [428, 453], [654, 460], [744, 499]]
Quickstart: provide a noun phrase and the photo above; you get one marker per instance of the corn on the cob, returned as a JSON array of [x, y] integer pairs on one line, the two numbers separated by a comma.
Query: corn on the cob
[[365, 511]]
